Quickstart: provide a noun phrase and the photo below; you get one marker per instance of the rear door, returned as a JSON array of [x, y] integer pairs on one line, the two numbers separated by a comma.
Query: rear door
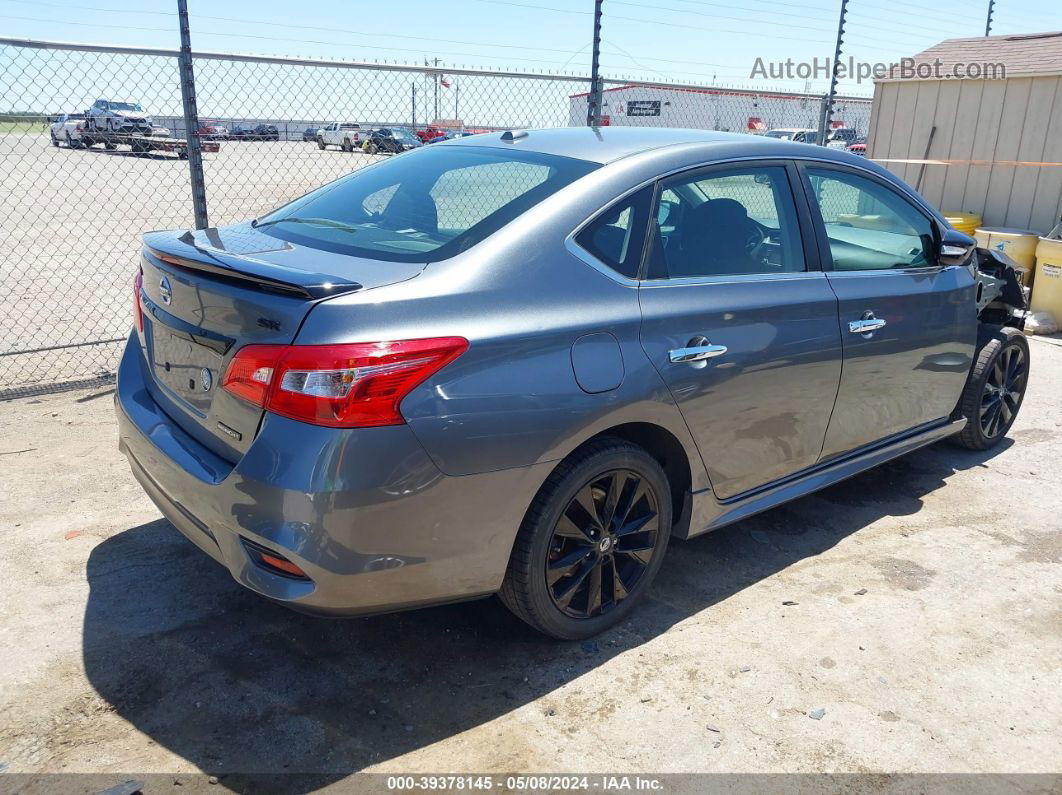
[[740, 322], [908, 325]]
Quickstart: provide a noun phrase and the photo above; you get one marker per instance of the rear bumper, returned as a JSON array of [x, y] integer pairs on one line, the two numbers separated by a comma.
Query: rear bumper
[[365, 513]]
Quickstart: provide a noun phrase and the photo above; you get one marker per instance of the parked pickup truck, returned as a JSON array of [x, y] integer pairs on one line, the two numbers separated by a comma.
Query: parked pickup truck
[[64, 128], [345, 135]]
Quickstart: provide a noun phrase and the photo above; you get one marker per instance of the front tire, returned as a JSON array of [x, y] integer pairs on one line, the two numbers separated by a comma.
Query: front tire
[[320, 143], [591, 542], [994, 390]]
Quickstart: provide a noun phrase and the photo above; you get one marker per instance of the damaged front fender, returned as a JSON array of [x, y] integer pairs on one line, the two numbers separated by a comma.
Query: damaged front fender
[[1000, 296]]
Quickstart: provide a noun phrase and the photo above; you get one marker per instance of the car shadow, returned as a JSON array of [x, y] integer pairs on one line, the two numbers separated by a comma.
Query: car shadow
[[240, 686]]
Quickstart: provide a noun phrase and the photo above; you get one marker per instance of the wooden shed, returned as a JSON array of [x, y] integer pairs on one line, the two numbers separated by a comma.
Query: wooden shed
[[994, 143]]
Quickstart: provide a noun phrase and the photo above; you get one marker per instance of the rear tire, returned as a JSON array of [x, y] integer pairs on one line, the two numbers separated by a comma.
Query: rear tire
[[591, 542], [55, 141], [994, 390]]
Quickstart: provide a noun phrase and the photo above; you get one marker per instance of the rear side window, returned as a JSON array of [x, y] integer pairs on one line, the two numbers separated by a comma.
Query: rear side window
[[734, 221], [617, 236], [424, 205]]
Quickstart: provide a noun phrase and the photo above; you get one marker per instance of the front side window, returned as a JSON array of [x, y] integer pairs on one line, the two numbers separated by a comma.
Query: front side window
[[727, 222], [427, 205], [868, 226]]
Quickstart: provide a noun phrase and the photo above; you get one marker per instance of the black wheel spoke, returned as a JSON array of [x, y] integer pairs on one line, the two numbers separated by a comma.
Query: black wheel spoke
[[639, 556], [568, 529], [568, 591], [563, 565], [613, 492], [593, 591], [635, 525], [619, 590]]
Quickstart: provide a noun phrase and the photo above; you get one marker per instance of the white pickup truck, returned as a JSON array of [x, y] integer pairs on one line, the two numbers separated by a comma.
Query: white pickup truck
[[64, 128], [345, 135]]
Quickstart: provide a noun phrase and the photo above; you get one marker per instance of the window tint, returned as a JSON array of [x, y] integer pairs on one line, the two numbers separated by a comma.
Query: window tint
[[617, 236], [736, 221], [427, 205], [869, 226]]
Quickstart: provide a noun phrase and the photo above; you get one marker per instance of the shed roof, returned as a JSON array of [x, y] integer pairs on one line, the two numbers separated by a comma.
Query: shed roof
[[1023, 55]]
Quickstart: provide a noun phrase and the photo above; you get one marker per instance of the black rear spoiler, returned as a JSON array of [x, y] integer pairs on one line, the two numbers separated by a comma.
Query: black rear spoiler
[[246, 270]]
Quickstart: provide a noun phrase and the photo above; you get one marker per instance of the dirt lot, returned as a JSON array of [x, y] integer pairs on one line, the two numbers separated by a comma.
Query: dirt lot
[[919, 605]]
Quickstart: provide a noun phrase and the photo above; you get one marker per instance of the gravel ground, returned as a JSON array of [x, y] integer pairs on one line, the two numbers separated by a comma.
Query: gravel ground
[[907, 620]]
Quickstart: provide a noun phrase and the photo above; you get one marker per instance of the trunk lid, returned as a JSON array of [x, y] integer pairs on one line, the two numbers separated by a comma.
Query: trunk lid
[[208, 293]]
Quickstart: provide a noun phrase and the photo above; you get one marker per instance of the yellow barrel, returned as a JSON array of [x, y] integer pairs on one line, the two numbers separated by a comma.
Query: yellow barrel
[[966, 223], [1047, 295], [1018, 244]]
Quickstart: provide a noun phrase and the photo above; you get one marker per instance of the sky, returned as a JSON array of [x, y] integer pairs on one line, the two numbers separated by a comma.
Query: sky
[[686, 41]]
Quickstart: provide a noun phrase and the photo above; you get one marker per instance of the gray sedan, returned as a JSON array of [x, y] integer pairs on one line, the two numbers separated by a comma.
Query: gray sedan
[[520, 363]]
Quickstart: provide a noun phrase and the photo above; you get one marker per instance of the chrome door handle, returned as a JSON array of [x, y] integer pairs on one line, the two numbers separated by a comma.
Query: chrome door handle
[[867, 324], [696, 353]]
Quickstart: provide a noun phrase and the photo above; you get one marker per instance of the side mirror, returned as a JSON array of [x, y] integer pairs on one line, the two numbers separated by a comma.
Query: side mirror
[[955, 247]]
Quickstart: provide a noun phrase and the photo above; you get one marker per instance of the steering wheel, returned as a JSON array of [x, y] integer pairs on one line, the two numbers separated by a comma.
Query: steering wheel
[[755, 241]]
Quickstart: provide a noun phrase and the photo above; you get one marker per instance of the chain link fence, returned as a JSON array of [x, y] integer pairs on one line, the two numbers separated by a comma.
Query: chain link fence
[[73, 213]]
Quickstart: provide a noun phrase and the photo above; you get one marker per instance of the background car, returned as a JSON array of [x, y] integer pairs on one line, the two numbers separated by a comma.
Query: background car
[[345, 135], [858, 148], [389, 140], [800, 135], [265, 132], [64, 128], [310, 133], [213, 131], [841, 137], [449, 135], [239, 131], [119, 117]]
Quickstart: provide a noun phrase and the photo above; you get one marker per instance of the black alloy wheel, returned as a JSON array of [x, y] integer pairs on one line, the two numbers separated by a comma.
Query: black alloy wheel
[[602, 544]]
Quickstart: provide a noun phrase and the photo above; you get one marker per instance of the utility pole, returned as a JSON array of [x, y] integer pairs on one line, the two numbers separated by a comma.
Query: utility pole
[[827, 117], [457, 91], [593, 101], [988, 21], [435, 82], [413, 103], [191, 119]]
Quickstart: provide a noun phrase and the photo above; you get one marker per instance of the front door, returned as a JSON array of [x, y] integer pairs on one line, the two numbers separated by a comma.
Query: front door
[[740, 322], [908, 325]]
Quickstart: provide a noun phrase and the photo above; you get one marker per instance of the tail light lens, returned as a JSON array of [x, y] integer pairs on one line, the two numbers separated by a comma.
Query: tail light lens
[[339, 386], [138, 310]]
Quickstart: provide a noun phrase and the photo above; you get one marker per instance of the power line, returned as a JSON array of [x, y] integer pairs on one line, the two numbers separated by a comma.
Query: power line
[[288, 25], [647, 21]]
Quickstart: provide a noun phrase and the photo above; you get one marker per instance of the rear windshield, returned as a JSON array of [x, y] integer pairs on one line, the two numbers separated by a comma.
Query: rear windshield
[[425, 205]]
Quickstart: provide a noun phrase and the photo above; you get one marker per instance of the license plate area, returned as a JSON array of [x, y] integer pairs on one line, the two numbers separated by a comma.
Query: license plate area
[[189, 367]]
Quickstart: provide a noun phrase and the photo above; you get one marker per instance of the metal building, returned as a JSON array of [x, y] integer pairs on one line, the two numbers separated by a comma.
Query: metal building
[[734, 110], [994, 143]]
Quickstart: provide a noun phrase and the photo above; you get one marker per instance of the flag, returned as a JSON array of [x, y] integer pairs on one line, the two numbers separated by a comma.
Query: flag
[[443, 81]]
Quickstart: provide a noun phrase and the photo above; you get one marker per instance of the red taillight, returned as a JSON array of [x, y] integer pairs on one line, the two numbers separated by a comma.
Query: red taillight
[[340, 386], [138, 310]]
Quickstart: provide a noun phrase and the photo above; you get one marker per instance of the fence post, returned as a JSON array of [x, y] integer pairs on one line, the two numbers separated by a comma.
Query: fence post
[[191, 120], [593, 101], [824, 130]]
